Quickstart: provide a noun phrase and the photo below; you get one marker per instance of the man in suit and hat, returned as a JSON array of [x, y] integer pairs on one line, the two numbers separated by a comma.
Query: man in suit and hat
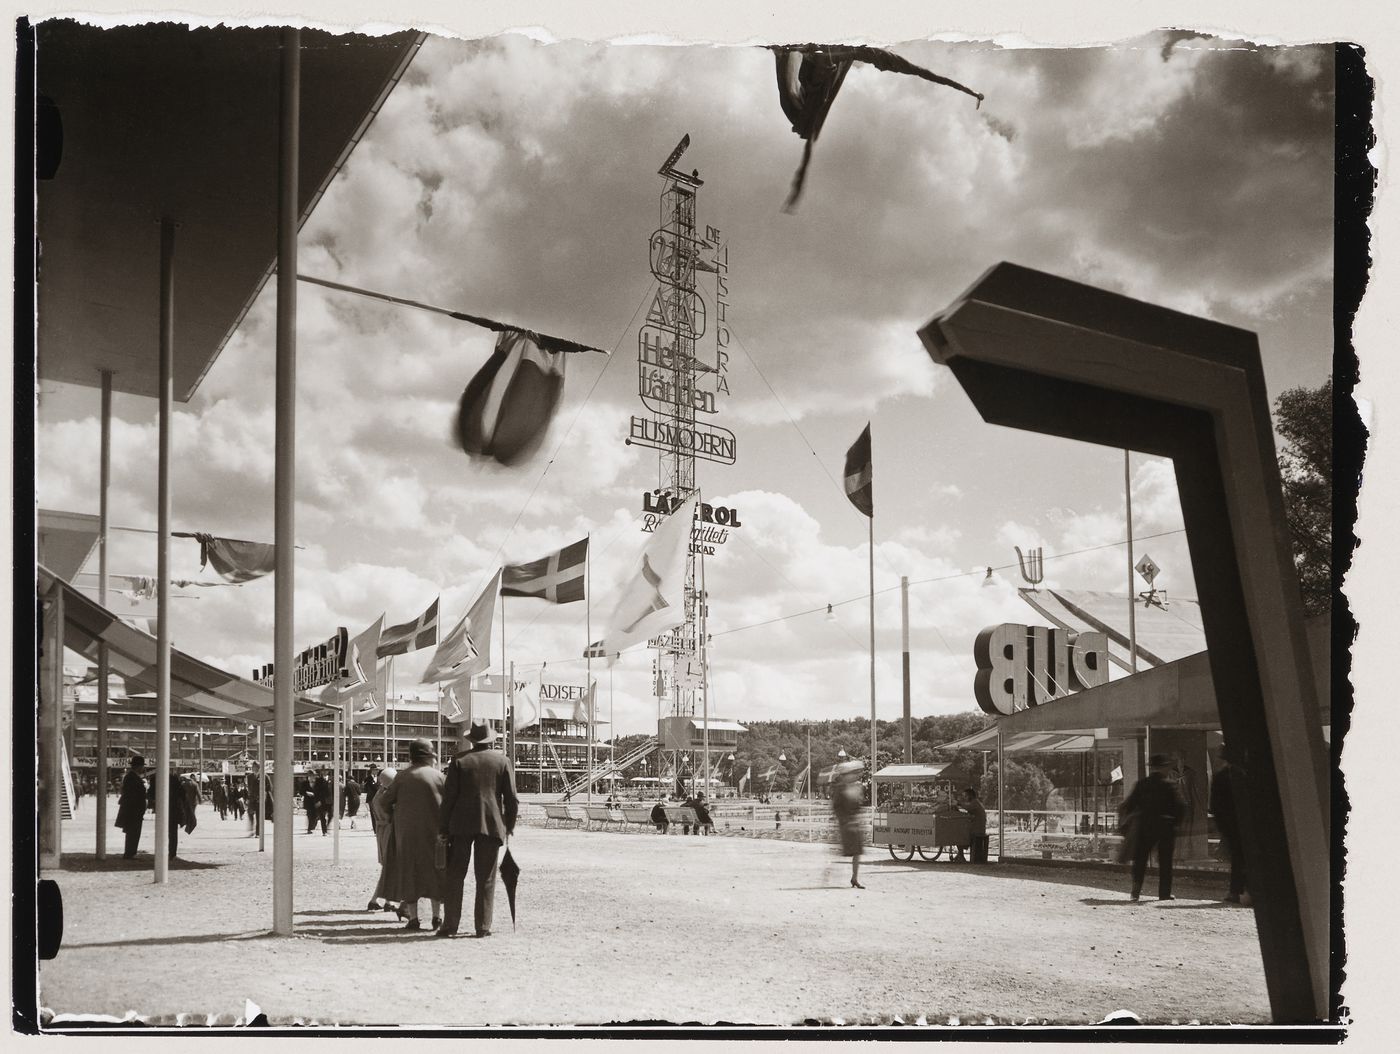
[[479, 809], [1222, 807], [131, 806], [1156, 809]]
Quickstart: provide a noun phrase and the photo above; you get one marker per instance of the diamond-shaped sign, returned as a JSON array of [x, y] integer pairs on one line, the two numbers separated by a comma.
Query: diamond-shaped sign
[[1147, 567]]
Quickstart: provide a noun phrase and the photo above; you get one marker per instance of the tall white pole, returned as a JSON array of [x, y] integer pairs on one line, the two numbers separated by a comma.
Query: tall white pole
[[588, 655], [872, 663], [262, 789], [1132, 608], [904, 643], [335, 790], [167, 397], [1001, 798], [705, 669], [284, 600], [104, 473]]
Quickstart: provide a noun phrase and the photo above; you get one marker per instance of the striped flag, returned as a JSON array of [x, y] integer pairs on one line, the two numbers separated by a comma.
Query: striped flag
[[558, 577], [587, 705], [525, 709], [860, 486], [507, 407], [801, 778], [422, 632], [745, 779], [467, 649]]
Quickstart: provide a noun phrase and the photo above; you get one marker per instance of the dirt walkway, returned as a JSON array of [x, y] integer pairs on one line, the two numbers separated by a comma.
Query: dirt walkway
[[641, 927]]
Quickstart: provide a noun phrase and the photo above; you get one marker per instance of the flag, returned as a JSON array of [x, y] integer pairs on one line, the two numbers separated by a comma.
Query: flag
[[771, 773], [449, 707], [654, 597], [810, 75], [860, 487], [586, 706], [557, 578], [1116, 775], [506, 408], [745, 779], [467, 649], [801, 778], [360, 673], [369, 703], [234, 560], [410, 636], [526, 708]]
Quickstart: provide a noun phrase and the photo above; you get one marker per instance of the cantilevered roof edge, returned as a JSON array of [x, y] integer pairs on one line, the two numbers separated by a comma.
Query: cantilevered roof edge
[[390, 83]]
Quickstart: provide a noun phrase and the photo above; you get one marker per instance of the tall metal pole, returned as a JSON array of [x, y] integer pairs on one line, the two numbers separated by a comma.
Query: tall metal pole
[[335, 790], [384, 717], [104, 474], [262, 788], [904, 641], [705, 669], [288, 182], [588, 699], [1001, 798], [167, 397], [871, 524], [1132, 608]]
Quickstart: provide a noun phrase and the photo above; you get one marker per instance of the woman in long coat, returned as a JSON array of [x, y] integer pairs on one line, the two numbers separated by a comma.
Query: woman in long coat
[[412, 802], [846, 800], [384, 839]]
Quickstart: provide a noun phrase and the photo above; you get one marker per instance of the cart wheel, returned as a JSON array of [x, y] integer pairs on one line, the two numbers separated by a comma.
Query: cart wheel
[[932, 852], [907, 850]]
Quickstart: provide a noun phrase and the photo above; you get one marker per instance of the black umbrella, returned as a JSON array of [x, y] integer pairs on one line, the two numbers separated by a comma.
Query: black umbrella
[[510, 873]]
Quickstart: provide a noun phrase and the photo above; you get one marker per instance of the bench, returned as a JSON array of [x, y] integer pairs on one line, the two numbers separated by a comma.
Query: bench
[[640, 814], [600, 814], [677, 815], [560, 813]]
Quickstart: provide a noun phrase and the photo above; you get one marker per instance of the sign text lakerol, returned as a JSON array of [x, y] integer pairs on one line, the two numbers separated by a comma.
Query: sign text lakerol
[[712, 522], [1020, 666]]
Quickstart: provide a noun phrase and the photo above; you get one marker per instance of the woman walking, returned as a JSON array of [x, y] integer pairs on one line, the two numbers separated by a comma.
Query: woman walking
[[846, 800], [412, 802], [384, 840]]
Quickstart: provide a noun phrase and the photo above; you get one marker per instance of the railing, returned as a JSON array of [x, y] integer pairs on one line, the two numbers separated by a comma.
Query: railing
[[611, 767]]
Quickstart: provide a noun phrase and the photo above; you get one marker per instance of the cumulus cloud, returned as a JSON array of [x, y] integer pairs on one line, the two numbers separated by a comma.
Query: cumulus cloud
[[515, 179]]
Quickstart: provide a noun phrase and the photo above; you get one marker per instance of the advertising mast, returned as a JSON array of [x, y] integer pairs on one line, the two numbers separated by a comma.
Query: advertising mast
[[679, 380]]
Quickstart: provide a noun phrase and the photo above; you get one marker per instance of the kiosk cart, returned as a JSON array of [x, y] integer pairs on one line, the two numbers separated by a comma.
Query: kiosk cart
[[916, 813]]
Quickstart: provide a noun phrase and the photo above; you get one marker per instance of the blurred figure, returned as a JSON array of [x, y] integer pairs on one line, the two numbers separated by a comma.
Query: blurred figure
[[131, 806], [658, 815], [1152, 811], [383, 836], [324, 802], [253, 790], [1222, 807], [350, 800], [413, 802], [977, 829], [220, 799], [846, 800], [181, 811]]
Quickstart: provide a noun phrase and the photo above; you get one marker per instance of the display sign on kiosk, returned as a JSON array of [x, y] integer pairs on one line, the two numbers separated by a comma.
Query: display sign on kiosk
[[1020, 666]]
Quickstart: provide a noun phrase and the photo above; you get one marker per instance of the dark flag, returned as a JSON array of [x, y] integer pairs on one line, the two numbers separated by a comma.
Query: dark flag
[[506, 409], [860, 486], [422, 632], [558, 577], [810, 75]]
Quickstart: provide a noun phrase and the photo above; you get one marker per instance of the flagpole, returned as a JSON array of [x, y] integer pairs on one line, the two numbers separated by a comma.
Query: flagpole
[[335, 790], [510, 723], [588, 651], [705, 669], [505, 674], [439, 722], [872, 663], [388, 699]]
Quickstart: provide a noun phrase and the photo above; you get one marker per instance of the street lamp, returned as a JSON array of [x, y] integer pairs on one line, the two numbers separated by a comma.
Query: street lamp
[[841, 754]]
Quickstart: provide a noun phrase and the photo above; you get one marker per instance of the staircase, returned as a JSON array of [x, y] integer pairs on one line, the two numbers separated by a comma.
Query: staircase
[[610, 768]]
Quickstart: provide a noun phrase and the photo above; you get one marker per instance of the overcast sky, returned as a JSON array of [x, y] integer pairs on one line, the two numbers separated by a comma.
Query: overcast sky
[[515, 179]]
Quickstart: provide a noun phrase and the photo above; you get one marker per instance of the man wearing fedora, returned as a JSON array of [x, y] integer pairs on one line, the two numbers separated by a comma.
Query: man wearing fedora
[[1155, 809], [479, 808], [131, 805]]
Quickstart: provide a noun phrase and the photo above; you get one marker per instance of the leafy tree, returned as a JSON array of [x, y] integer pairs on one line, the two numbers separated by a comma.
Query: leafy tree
[[1026, 786], [1303, 418]]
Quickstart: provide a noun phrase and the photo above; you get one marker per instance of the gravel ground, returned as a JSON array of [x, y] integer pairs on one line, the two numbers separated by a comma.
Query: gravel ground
[[619, 927]]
